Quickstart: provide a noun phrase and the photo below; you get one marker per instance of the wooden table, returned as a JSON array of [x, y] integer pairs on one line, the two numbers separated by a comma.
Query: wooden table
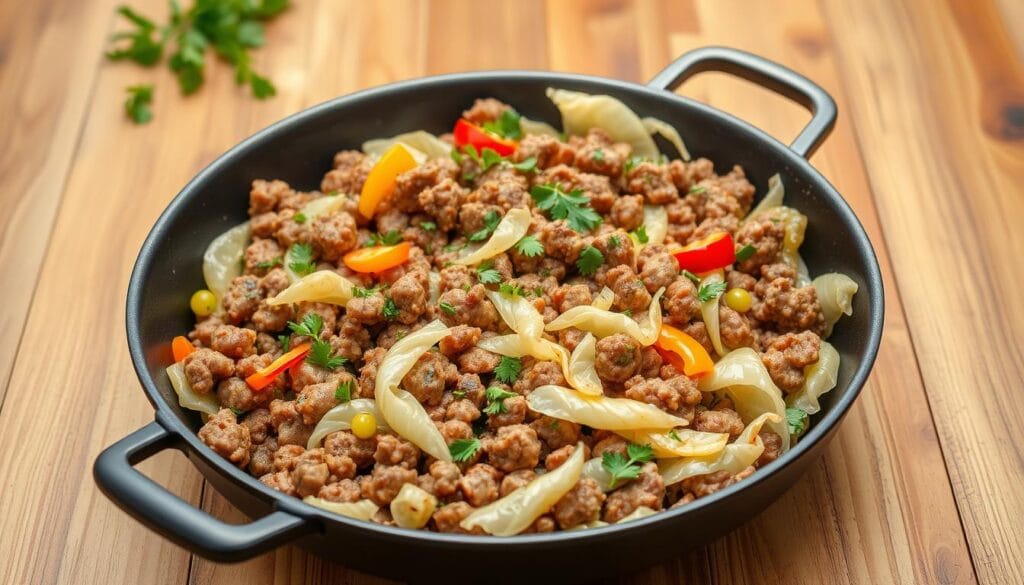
[[925, 481]]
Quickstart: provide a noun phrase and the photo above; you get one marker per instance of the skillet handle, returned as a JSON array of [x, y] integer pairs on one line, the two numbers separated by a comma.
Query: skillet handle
[[765, 73], [176, 519]]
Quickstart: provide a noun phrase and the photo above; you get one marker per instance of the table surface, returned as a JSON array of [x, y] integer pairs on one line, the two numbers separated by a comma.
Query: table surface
[[923, 483]]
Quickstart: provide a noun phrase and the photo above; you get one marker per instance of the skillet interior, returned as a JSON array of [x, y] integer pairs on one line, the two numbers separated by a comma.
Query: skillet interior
[[299, 150]]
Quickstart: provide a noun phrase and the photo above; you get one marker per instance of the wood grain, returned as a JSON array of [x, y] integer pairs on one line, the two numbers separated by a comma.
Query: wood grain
[[943, 136], [930, 99]]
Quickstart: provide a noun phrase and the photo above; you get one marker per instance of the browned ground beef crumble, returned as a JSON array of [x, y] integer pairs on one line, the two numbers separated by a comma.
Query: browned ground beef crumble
[[266, 431]]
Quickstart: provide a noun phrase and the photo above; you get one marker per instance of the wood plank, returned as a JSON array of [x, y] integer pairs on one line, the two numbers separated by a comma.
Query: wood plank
[[43, 109], [941, 132]]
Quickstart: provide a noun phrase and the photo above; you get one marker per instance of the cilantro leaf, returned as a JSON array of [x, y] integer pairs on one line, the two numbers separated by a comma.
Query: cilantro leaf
[[428, 226], [142, 47], [464, 449], [491, 221], [614, 242], [285, 341], [574, 207], [389, 238], [487, 274], [674, 435], [797, 421], [299, 217], [528, 165], [390, 309], [697, 189], [447, 307], [508, 369], [496, 400], [343, 393], [301, 259], [310, 326], [745, 252], [507, 125], [597, 155], [137, 104], [709, 292], [622, 467], [362, 293], [590, 259], [320, 354], [530, 246], [640, 234], [269, 263], [510, 289]]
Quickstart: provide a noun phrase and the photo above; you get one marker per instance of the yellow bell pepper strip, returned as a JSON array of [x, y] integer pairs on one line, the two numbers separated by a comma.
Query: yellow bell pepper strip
[[683, 352], [264, 377], [181, 347], [707, 254], [380, 182], [468, 134], [377, 258]]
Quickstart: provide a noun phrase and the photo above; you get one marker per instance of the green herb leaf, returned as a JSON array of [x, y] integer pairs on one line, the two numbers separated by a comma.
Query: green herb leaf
[[299, 217], [362, 293], [447, 307], [142, 47], [691, 277], [508, 369], [507, 125], [302, 259], [574, 207], [487, 274], [464, 449], [530, 246], [137, 104], [496, 400], [614, 242], [640, 234], [491, 221], [343, 393], [528, 165], [269, 263], [310, 326], [626, 467], [709, 292], [697, 189], [745, 252], [390, 310], [797, 420], [674, 435], [428, 226], [590, 259], [320, 355], [285, 341], [390, 238], [510, 289], [598, 155]]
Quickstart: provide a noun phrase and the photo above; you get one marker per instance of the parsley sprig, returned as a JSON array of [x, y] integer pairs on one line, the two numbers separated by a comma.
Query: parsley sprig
[[389, 238], [487, 274], [589, 261], [491, 221], [137, 104], [496, 400], [301, 256], [344, 391], [463, 450], [640, 234], [390, 309], [622, 467], [447, 307], [573, 207], [508, 369], [320, 354], [507, 125], [530, 246], [797, 420], [710, 291]]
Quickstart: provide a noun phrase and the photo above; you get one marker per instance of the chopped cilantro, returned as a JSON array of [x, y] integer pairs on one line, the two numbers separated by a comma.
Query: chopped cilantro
[[640, 234], [447, 307], [496, 400], [299, 217], [614, 242], [343, 393], [697, 189], [797, 420], [137, 104], [598, 155], [510, 289], [530, 246], [528, 165], [709, 292], [621, 467], [269, 263], [390, 309], [491, 221], [487, 274], [506, 126], [674, 436], [574, 207], [590, 259], [508, 369], [428, 226], [285, 341], [463, 450], [390, 238], [361, 293], [301, 259], [745, 252]]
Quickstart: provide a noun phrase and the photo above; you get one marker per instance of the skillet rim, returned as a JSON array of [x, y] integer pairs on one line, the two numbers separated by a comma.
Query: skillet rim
[[820, 431]]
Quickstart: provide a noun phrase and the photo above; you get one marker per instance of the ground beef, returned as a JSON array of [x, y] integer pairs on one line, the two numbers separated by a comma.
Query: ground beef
[[463, 410], [479, 485], [261, 457], [772, 447], [342, 445], [687, 174], [235, 394], [392, 450], [538, 374], [459, 339], [719, 420], [597, 153], [234, 342], [310, 473], [658, 268], [680, 302], [384, 483], [765, 236], [568, 296], [556, 433], [229, 439], [628, 212], [581, 505], [448, 517], [478, 361], [242, 299], [737, 279], [652, 181], [609, 444], [348, 175], [429, 376], [410, 298], [203, 331], [654, 391], [561, 241], [271, 319], [280, 481], [646, 490], [618, 358], [288, 423], [699, 331], [512, 413], [470, 308], [265, 195], [556, 458], [788, 355], [705, 485], [342, 491], [442, 201], [258, 423], [789, 307], [734, 328], [630, 293], [514, 447], [316, 399], [471, 388], [262, 255], [366, 310], [515, 480], [617, 249], [442, 479], [548, 150], [204, 367], [334, 235]]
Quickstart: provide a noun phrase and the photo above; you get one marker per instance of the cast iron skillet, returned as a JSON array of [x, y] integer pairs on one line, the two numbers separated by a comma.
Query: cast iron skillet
[[298, 150]]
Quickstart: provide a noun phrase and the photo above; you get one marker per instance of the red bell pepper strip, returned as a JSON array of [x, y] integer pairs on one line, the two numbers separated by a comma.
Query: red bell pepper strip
[[683, 352], [468, 134], [181, 347], [264, 377], [710, 253]]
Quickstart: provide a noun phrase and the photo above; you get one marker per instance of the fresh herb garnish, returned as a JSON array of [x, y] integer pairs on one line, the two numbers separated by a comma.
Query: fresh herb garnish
[[627, 312], [674, 436], [574, 207], [390, 309], [491, 221], [508, 369], [710, 291], [530, 246], [453, 247], [507, 125], [269, 263], [691, 277], [797, 421], [310, 326], [320, 351], [343, 393], [745, 252], [428, 226], [487, 274], [301, 259], [614, 242], [285, 341], [621, 467], [496, 400], [632, 162], [696, 189], [231, 29], [538, 291], [464, 449], [598, 155], [137, 104], [510, 289], [299, 217], [528, 165], [390, 238], [590, 259], [640, 234], [447, 307], [361, 293]]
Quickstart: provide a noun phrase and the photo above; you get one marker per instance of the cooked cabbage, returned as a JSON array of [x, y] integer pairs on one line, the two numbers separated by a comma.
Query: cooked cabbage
[[325, 205], [422, 145], [690, 443], [434, 286], [600, 412], [340, 417], [222, 261], [361, 510], [655, 224], [709, 311], [604, 299], [603, 323], [737, 456], [510, 230], [773, 198], [323, 286], [517, 511], [819, 378], [835, 294], [400, 409], [536, 127], [742, 377], [581, 112], [640, 512], [413, 506], [595, 470], [656, 126], [582, 373], [187, 397]]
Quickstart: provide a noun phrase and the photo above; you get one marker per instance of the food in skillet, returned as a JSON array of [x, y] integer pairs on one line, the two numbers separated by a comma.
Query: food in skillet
[[507, 329]]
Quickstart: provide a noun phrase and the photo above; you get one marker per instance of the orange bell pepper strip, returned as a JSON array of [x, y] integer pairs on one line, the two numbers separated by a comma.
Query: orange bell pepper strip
[[380, 182], [710, 253], [181, 347], [467, 133], [264, 377], [377, 258], [683, 352]]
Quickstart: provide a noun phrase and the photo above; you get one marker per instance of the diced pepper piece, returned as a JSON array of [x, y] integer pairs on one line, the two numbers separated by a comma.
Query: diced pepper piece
[[181, 347], [683, 351], [380, 182], [264, 377], [710, 253], [377, 258], [468, 134]]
